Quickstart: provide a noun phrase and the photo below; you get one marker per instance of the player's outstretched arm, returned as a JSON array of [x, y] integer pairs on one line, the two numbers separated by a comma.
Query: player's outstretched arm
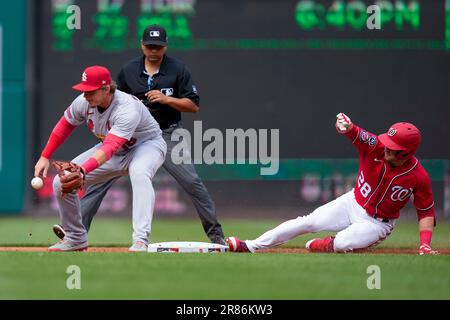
[[426, 226], [364, 141], [59, 134], [343, 123]]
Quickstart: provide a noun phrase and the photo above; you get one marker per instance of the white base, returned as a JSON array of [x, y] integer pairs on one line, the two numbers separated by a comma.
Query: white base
[[186, 247]]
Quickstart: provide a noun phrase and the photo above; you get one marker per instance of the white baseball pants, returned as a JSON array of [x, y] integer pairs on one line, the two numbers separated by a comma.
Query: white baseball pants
[[355, 228]]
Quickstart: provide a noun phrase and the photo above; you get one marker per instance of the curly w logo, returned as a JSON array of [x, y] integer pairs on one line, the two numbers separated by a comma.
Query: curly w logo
[[392, 132], [400, 194]]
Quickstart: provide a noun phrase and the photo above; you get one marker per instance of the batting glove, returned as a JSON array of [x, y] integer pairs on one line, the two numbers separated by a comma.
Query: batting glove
[[343, 123], [426, 249]]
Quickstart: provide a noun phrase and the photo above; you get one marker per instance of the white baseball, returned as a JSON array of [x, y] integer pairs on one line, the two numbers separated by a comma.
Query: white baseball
[[37, 183]]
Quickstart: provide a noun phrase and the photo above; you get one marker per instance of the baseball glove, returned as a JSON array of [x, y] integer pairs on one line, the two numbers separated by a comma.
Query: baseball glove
[[70, 174]]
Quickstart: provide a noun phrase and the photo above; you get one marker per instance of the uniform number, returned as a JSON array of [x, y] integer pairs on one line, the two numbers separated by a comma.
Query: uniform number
[[364, 187]]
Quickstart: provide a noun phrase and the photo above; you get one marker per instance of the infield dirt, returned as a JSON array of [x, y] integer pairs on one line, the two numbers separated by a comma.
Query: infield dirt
[[278, 250]]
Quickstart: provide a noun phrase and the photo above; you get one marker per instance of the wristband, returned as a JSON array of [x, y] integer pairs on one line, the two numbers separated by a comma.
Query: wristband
[[90, 165]]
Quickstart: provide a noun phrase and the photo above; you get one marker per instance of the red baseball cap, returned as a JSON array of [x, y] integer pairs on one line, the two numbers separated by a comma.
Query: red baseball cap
[[93, 78], [402, 136]]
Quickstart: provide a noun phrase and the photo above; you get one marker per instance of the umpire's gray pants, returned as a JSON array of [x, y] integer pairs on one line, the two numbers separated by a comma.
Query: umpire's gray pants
[[186, 176]]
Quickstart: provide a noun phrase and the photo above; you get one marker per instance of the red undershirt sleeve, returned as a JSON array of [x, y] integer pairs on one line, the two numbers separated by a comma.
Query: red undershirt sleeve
[[59, 134]]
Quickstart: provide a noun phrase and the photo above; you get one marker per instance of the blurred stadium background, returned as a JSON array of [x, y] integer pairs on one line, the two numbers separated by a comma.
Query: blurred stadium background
[[290, 65]]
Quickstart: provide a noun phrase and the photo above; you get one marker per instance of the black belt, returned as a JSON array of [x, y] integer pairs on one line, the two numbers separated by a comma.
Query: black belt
[[381, 219]]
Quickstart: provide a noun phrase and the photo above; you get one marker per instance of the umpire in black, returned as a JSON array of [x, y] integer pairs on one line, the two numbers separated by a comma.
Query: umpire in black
[[165, 86]]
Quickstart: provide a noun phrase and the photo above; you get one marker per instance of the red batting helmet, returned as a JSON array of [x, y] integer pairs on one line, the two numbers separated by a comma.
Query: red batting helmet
[[404, 137]]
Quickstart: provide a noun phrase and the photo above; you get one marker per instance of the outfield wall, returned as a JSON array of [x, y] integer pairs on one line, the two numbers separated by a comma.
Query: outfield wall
[[13, 122]]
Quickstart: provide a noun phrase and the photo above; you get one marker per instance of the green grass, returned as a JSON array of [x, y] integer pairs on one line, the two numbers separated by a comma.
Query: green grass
[[42, 275]]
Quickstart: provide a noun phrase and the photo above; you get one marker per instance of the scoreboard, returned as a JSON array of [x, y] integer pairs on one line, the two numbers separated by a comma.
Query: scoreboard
[[253, 24]]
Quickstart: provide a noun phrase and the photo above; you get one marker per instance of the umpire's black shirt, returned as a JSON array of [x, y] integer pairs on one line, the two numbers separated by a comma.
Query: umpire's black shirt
[[172, 79]]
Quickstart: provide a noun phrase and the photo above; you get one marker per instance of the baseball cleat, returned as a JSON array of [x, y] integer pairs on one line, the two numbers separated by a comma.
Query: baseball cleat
[[320, 245], [58, 230], [308, 244], [66, 245], [237, 245], [138, 246]]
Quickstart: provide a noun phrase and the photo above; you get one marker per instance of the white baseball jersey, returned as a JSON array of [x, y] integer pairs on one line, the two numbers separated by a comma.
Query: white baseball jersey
[[126, 117]]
